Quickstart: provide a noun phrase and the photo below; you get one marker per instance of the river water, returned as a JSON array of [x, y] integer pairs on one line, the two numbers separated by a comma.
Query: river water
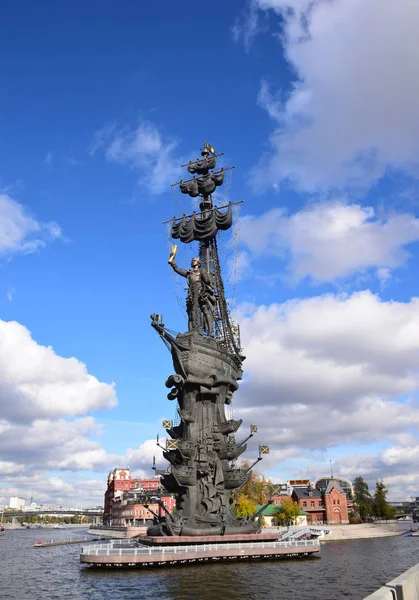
[[349, 569]]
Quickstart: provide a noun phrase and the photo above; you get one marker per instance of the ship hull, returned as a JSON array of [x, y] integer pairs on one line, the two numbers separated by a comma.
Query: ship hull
[[206, 377]]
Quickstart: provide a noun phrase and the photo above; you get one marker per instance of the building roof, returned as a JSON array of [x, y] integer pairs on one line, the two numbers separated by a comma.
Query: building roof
[[334, 483], [322, 482], [268, 511], [304, 493]]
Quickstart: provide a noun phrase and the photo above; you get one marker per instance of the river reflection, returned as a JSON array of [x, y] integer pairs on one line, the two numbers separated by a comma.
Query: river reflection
[[350, 569]]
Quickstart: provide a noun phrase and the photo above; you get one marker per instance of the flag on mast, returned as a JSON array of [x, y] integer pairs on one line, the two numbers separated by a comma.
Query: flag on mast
[[209, 147]]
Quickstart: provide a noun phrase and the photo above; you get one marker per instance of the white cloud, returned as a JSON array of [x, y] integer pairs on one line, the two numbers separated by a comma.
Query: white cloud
[[248, 25], [42, 395], [29, 452], [142, 457], [396, 466], [266, 100], [52, 444], [38, 383], [144, 149], [331, 370], [352, 112], [55, 490], [21, 232], [8, 467], [332, 240], [45, 446]]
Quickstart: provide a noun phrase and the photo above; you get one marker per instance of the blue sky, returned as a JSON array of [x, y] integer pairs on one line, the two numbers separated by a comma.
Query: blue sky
[[317, 110]]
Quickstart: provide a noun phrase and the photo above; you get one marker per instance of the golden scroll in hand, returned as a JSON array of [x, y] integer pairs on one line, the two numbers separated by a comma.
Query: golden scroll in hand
[[172, 254]]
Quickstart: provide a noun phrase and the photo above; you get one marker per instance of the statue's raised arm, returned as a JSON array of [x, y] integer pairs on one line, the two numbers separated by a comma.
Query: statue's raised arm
[[178, 270]]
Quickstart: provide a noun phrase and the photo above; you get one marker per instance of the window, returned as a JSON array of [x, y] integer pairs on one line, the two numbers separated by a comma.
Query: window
[[338, 501], [312, 503], [304, 503], [334, 501]]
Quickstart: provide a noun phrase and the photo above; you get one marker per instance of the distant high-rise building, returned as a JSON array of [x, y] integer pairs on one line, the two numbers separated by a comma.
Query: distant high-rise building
[[16, 502]]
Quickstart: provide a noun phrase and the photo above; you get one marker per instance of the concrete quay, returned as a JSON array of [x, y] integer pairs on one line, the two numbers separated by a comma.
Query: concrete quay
[[117, 533], [366, 531], [404, 587], [116, 555], [333, 532]]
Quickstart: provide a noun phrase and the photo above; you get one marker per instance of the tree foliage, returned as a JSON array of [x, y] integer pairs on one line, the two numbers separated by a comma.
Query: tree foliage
[[362, 498], [287, 511], [245, 507], [255, 490], [380, 506]]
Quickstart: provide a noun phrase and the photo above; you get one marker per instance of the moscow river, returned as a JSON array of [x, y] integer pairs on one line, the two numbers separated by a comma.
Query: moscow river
[[350, 569]]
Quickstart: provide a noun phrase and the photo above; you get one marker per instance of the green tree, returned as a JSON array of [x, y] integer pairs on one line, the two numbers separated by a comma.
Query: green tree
[[245, 507], [381, 507], [362, 498], [255, 490], [287, 511]]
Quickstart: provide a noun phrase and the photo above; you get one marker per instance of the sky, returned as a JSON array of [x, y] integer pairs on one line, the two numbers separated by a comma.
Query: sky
[[315, 104]]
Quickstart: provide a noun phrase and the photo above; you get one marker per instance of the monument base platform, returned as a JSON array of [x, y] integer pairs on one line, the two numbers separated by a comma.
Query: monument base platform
[[129, 555], [178, 540]]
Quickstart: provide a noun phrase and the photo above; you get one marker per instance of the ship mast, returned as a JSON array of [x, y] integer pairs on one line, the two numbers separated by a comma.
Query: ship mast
[[206, 224]]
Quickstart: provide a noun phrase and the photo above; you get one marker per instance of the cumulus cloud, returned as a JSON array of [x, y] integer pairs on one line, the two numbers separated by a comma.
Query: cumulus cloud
[[8, 467], [331, 370], [52, 444], [55, 490], [142, 458], [144, 149], [38, 383], [22, 232], [352, 111], [42, 396], [45, 446], [29, 453], [331, 240], [365, 421], [395, 465]]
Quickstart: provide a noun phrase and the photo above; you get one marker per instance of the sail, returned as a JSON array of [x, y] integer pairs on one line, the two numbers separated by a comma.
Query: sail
[[203, 186], [190, 187], [200, 167], [202, 227]]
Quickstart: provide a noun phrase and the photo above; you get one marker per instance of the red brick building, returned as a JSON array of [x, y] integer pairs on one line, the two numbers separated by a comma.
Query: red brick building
[[126, 497], [329, 506], [336, 505], [311, 502]]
